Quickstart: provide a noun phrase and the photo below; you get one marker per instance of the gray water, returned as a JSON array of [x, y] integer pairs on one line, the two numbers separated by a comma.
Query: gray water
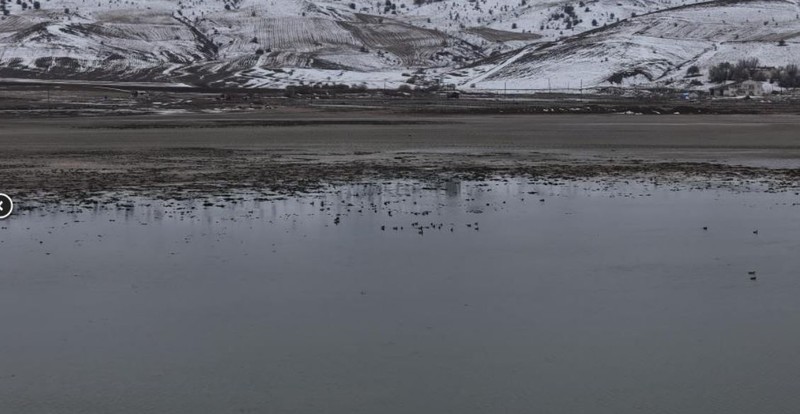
[[593, 300]]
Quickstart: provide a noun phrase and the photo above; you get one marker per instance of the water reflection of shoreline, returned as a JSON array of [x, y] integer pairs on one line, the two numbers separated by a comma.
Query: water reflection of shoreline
[[453, 187]]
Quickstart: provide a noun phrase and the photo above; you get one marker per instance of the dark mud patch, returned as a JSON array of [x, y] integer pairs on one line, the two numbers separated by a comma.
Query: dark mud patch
[[97, 177]]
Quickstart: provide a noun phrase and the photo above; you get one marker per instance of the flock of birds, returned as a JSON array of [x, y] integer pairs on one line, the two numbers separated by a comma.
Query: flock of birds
[[401, 205]]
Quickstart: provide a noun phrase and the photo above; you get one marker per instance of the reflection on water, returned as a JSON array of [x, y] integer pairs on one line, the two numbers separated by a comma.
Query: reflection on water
[[453, 187], [398, 297]]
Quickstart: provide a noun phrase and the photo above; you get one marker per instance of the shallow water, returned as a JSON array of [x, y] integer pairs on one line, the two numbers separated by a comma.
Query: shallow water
[[514, 297]]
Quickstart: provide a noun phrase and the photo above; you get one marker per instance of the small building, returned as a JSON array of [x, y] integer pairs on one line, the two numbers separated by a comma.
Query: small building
[[752, 88], [745, 88]]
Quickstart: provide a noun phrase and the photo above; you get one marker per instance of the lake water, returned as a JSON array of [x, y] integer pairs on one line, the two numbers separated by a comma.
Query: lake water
[[504, 296]]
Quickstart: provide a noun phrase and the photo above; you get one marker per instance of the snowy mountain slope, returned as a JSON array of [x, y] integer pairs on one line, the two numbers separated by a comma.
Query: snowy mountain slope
[[204, 40], [480, 44], [652, 49]]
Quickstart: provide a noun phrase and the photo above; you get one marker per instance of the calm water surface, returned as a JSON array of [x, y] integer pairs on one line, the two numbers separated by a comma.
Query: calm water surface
[[504, 297]]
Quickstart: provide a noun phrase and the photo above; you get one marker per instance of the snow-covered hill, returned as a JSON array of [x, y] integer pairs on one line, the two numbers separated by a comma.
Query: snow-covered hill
[[650, 50], [480, 44]]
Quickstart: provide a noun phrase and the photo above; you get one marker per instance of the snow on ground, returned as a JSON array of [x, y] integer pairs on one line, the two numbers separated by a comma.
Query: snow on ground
[[476, 45], [650, 50], [264, 78]]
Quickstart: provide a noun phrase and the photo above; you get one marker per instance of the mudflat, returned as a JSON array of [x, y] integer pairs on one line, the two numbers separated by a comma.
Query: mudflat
[[184, 155]]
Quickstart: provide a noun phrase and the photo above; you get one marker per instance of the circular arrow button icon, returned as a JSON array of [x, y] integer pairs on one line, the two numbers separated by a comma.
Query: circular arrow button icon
[[6, 206]]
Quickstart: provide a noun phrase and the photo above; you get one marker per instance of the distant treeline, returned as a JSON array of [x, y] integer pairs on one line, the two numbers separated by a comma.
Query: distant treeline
[[748, 69]]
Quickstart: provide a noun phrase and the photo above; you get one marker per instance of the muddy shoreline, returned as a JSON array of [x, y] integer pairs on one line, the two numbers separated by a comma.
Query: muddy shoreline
[[101, 161]]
